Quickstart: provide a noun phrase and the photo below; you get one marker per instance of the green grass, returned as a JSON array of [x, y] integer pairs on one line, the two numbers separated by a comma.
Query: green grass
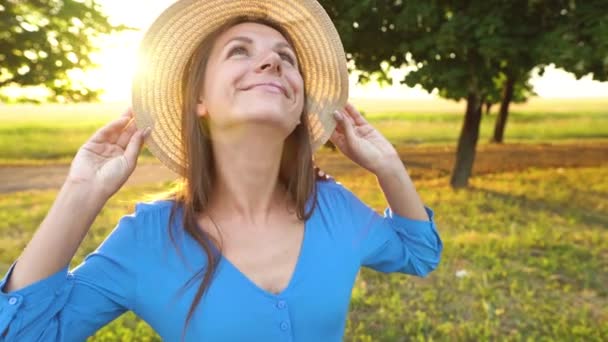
[[521, 127], [55, 141], [533, 246], [32, 134]]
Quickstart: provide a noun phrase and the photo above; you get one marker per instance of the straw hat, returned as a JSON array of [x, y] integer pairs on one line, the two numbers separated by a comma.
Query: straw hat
[[172, 38]]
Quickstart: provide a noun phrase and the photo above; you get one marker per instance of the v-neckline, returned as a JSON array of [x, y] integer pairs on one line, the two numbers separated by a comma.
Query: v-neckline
[[297, 268], [294, 274], [292, 278]]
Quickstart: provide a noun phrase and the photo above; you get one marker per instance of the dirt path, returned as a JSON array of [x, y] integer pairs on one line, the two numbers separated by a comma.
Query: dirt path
[[20, 178], [433, 162], [423, 162]]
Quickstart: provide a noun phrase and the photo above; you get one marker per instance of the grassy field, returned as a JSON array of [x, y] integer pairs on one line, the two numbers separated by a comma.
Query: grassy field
[[526, 252], [526, 257], [53, 133]]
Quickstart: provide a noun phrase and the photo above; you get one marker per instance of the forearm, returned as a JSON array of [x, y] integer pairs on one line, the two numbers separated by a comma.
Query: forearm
[[400, 192], [58, 237]]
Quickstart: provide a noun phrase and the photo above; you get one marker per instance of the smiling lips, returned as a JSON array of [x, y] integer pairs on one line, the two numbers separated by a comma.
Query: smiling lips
[[275, 87]]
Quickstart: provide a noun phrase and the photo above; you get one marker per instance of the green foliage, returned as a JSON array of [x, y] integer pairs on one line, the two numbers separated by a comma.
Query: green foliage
[[450, 47], [40, 41], [463, 49], [458, 45], [455, 47], [580, 45], [524, 259], [522, 91]]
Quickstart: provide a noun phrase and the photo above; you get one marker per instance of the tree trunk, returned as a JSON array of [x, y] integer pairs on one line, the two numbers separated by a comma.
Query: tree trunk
[[465, 153], [488, 108], [501, 120]]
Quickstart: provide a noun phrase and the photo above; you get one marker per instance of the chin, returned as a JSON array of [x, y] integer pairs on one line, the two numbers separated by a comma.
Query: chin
[[265, 112]]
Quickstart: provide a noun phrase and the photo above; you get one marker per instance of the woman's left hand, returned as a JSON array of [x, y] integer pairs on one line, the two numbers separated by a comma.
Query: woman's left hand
[[361, 142]]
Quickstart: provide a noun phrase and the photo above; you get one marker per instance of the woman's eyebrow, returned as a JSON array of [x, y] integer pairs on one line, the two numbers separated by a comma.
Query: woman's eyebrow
[[250, 41]]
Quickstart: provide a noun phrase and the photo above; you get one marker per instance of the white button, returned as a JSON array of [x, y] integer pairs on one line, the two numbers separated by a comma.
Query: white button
[[12, 301], [284, 325], [281, 304]]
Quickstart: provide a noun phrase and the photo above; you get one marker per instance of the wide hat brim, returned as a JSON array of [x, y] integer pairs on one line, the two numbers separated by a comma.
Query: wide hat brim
[[173, 37]]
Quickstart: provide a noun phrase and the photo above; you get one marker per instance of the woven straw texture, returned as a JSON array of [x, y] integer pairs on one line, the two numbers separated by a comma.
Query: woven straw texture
[[172, 38]]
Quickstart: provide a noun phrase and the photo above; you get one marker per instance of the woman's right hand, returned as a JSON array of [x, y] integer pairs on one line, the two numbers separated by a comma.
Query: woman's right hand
[[107, 159]]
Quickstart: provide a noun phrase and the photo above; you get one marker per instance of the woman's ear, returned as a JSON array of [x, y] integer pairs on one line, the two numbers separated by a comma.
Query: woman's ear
[[201, 109]]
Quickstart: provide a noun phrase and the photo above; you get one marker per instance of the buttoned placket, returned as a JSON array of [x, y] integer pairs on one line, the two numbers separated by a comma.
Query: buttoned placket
[[284, 320], [9, 311]]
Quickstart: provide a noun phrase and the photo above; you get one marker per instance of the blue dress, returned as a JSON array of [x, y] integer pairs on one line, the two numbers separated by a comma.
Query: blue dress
[[137, 268]]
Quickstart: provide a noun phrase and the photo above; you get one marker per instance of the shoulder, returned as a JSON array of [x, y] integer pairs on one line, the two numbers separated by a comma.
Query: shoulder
[[334, 196], [148, 215], [331, 187], [153, 207], [144, 211]]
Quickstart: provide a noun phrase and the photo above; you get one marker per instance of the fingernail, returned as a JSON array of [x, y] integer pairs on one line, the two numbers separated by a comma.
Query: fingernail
[[147, 132], [337, 115]]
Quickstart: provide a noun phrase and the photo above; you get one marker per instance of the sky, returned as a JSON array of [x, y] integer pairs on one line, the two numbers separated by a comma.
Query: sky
[[118, 54]]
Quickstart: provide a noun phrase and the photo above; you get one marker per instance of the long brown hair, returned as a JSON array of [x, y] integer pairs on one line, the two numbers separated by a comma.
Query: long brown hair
[[297, 171]]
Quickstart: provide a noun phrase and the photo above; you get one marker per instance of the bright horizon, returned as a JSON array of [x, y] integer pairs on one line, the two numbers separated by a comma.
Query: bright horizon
[[118, 54]]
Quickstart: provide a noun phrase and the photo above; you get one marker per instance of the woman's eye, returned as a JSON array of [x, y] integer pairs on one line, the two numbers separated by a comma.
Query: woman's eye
[[240, 50], [288, 58], [237, 50]]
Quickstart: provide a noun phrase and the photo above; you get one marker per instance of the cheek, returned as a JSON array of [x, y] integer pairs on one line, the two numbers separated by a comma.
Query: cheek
[[215, 87], [207, 92], [297, 84]]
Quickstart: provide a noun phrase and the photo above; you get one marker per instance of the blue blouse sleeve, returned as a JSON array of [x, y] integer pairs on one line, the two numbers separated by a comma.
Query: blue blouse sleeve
[[72, 305], [391, 243]]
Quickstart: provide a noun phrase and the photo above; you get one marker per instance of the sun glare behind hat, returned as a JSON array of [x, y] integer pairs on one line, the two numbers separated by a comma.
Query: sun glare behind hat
[[173, 37]]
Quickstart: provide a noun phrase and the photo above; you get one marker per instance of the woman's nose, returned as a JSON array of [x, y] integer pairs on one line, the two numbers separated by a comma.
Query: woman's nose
[[270, 63]]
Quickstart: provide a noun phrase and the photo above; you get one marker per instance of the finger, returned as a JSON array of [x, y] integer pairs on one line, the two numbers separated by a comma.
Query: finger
[[337, 139], [339, 127], [135, 144], [126, 134], [111, 131], [128, 113], [354, 114], [346, 116], [364, 130], [347, 125]]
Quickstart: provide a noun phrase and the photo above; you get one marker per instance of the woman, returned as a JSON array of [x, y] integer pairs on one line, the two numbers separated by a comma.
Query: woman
[[254, 246]]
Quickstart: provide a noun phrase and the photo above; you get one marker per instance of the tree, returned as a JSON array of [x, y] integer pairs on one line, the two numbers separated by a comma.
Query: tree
[[512, 89], [447, 42], [522, 91], [41, 40], [459, 48], [570, 34], [523, 26], [580, 45]]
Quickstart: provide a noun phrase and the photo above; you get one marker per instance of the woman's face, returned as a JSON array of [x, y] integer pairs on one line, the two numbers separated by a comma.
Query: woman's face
[[252, 76]]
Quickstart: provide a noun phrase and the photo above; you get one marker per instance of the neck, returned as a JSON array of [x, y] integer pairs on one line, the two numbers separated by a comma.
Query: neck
[[247, 171]]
